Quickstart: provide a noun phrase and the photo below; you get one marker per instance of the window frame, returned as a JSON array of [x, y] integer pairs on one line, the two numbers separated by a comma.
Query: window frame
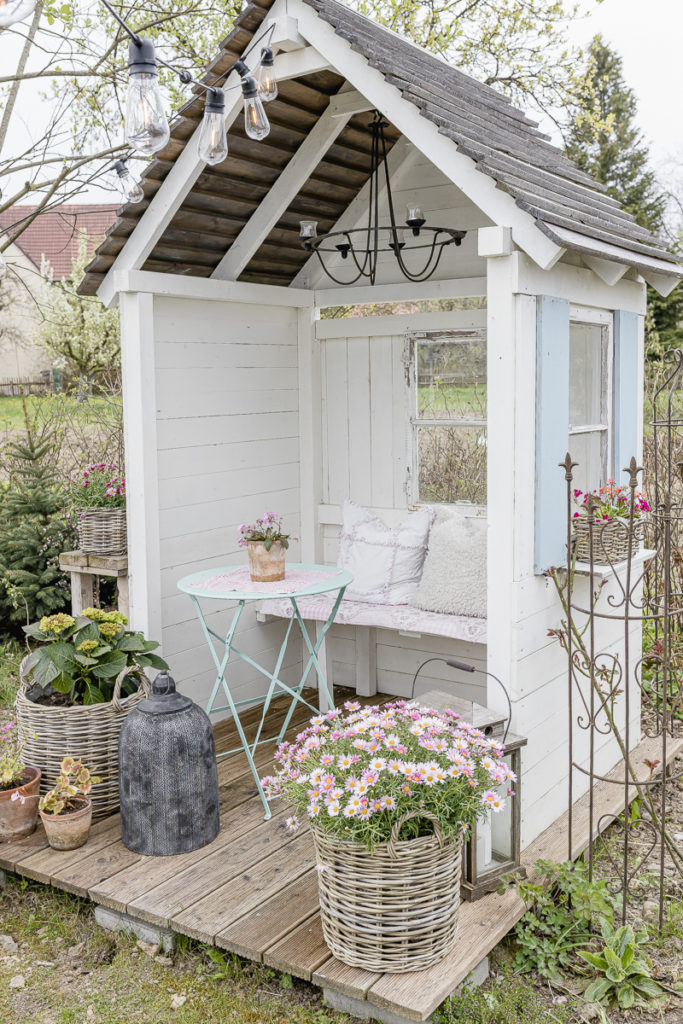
[[591, 317], [413, 338]]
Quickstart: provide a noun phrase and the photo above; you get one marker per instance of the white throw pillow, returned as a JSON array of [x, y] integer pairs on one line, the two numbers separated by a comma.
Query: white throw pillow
[[454, 574], [386, 563]]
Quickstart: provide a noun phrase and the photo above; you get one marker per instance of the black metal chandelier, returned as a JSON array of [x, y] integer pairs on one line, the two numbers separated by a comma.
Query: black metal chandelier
[[363, 246]]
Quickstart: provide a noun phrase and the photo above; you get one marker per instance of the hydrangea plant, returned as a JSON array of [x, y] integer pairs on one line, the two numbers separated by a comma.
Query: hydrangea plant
[[73, 782], [268, 529], [354, 773], [82, 656]]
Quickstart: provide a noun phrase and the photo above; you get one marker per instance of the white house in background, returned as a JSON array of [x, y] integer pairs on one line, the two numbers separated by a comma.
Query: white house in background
[[42, 254], [239, 397]]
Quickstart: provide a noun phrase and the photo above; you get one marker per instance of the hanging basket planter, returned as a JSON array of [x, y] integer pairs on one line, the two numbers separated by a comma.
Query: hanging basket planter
[[102, 531], [612, 540], [392, 910]]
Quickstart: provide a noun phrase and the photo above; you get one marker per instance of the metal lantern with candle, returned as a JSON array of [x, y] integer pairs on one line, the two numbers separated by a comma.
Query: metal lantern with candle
[[493, 849]]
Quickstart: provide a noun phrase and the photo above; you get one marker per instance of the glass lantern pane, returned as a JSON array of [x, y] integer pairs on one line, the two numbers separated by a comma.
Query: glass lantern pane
[[495, 841], [586, 383]]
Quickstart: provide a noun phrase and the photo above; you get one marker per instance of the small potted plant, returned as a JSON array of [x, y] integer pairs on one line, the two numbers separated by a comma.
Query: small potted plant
[[98, 500], [66, 810], [391, 793], [266, 544], [19, 786], [605, 514]]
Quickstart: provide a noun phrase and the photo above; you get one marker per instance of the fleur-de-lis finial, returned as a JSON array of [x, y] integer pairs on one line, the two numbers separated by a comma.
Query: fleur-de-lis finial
[[633, 469], [567, 465]]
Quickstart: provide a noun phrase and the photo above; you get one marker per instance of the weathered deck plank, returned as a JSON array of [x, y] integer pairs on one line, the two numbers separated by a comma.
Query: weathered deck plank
[[301, 952]]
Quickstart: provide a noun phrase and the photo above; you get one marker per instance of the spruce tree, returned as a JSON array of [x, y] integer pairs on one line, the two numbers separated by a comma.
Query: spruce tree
[[606, 143], [34, 532]]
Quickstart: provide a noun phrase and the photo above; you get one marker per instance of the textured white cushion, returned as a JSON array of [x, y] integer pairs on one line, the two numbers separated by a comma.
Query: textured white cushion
[[454, 574], [386, 563]]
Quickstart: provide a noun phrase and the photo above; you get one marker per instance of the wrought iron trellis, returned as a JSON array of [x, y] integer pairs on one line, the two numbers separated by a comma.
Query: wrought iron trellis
[[642, 555]]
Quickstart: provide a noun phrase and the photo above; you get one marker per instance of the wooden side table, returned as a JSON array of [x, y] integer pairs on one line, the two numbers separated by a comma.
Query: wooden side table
[[83, 568]]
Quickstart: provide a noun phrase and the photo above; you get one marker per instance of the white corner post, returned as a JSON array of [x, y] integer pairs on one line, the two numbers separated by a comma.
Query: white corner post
[[140, 437]]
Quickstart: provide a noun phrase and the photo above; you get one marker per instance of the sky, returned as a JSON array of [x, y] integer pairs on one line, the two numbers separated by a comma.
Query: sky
[[648, 34]]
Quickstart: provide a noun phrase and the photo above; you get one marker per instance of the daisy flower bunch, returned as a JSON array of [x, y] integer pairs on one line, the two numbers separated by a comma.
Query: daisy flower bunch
[[353, 771]]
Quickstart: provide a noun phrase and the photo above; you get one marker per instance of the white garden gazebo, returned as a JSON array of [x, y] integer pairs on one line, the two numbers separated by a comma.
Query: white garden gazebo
[[239, 397]]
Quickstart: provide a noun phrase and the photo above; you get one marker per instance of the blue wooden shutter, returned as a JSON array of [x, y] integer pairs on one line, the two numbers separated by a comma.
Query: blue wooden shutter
[[552, 430], [626, 397]]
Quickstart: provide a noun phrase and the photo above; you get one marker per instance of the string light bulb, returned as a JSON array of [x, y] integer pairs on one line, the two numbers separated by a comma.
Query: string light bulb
[[256, 123], [265, 76], [132, 190], [146, 126], [213, 140], [12, 11]]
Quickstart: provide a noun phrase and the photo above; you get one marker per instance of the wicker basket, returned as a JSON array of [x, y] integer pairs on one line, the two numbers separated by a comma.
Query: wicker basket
[[610, 540], [394, 910], [102, 531], [90, 733]]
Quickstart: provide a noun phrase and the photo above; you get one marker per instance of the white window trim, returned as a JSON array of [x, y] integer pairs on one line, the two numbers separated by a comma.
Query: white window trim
[[414, 421], [584, 315]]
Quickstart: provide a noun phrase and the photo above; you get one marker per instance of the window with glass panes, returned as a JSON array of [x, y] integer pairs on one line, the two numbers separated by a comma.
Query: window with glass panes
[[590, 401], [448, 421]]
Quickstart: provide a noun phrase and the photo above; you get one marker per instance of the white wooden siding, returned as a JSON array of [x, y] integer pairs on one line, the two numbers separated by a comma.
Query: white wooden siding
[[228, 450]]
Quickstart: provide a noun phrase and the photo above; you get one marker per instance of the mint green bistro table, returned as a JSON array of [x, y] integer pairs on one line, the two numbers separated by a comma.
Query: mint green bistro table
[[219, 584]]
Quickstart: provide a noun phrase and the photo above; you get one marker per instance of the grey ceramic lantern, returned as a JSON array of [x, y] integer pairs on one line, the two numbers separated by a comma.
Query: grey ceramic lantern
[[168, 782]]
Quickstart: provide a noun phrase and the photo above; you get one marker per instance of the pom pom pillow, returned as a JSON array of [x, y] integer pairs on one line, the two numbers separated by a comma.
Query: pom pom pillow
[[454, 575], [386, 562]]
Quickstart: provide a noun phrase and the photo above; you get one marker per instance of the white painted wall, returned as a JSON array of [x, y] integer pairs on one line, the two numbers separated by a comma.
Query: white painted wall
[[228, 451]]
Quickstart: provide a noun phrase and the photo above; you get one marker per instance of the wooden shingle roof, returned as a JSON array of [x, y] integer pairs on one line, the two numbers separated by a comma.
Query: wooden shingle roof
[[566, 204]]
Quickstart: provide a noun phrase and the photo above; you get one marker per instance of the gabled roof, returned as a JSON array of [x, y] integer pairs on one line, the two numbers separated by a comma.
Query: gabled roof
[[55, 234], [505, 145]]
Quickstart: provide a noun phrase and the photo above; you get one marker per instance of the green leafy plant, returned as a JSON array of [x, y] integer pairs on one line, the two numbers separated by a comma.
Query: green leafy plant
[[83, 656], [74, 783], [565, 908], [12, 767], [624, 977]]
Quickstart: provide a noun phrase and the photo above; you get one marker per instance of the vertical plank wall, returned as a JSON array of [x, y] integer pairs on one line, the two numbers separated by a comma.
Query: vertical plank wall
[[365, 431], [228, 451]]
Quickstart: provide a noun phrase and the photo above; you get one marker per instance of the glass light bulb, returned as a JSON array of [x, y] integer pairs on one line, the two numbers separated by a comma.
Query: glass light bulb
[[256, 123], [213, 140], [132, 190], [267, 84], [12, 11], [147, 129], [308, 229]]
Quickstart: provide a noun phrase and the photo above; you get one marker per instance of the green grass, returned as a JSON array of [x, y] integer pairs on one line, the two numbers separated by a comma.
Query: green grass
[[452, 402], [12, 411], [88, 976], [11, 654], [509, 999]]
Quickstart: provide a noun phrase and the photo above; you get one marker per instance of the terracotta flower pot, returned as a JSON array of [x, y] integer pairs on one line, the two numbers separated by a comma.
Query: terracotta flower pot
[[69, 831], [18, 817], [266, 566]]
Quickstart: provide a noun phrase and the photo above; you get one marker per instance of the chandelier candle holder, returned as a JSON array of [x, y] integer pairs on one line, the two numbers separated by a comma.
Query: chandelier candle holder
[[362, 247]]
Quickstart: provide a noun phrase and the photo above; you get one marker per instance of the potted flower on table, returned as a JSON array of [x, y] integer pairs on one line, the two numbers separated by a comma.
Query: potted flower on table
[[391, 793], [19, 786], [266, 544]]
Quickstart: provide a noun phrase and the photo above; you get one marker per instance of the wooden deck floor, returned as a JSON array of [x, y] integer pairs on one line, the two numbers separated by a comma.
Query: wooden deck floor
[[254, 889]]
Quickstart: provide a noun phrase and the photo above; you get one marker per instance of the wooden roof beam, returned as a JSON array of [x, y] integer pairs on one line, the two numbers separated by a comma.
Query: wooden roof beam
[[307, 157]]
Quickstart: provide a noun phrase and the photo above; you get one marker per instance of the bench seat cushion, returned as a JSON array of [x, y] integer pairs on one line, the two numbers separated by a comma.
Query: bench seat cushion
[[401, 617]]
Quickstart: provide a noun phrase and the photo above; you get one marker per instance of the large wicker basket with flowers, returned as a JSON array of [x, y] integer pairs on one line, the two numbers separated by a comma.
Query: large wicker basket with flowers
[[99, 501], [391, 793], [604, 530], [76, 689]]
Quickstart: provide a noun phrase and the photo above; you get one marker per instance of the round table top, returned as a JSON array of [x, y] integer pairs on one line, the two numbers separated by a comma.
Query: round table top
[[233, 582]]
